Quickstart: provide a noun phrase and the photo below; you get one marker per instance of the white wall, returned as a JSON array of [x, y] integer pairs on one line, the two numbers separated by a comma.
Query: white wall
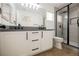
[[74, 12], [48, 23]]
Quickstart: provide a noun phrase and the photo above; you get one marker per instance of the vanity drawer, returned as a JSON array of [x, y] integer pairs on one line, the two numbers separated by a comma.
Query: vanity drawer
[[34, 35], [35, 40], [35, 50], [35, 46], [35, 43]]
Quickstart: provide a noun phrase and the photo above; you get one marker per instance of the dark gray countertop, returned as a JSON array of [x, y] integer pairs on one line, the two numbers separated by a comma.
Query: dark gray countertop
[[27, 30], [12, 28]]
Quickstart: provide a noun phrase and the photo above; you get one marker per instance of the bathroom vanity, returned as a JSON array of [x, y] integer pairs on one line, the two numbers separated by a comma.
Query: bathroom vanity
[[27, 42]]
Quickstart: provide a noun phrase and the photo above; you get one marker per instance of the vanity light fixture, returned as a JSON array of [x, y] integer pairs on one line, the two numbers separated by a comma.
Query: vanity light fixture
[[31, 5]]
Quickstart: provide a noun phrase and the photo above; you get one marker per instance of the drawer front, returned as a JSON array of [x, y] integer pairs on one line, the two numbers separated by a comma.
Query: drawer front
[[35, 40], [35, 44], [35, 50], [34, 35], [36, 47]]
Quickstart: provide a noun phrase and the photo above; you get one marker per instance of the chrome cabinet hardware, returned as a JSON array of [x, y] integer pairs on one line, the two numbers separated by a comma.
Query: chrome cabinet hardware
[[42, 35], [26, 35], [35, 49], [34, 32], [35, 40]]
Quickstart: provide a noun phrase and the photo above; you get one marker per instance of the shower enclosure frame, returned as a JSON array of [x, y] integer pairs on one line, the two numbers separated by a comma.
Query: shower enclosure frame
[[68, 17]]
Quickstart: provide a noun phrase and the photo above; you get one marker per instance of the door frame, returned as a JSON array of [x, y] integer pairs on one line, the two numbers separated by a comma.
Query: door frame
[[67, 21]]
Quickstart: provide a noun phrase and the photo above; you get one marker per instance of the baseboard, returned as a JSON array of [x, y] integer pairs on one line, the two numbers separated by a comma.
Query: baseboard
[[72, 47], [76, 44], [42, 51]]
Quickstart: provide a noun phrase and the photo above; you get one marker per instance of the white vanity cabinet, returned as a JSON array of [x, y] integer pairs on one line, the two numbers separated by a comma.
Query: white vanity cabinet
[[23, 43], [47, 40], [14, 43]]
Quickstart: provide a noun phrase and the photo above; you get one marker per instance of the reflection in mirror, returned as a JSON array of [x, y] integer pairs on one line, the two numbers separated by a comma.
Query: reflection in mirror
[[8, 13]]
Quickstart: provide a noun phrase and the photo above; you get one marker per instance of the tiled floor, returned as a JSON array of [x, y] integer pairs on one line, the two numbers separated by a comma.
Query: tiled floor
[[57, 52]]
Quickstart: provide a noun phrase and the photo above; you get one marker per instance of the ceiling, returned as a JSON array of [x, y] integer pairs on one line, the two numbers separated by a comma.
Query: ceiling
[[49, 6], [46, 6], [52, 5]]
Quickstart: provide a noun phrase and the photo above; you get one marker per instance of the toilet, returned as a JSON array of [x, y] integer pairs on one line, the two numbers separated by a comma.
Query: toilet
[[58, 42]]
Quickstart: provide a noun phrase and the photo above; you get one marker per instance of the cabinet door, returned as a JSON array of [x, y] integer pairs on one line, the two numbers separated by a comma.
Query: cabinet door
[[47, 40], [14, 43]]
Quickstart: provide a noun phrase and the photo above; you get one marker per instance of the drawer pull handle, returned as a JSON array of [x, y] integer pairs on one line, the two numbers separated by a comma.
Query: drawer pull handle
[[35, 40], [42, 35], [26, 35], [34, 32], [35, 49]]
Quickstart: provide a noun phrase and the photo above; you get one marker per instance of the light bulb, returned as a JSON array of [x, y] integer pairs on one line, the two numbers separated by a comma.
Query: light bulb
[[22, 4], [31, 5]]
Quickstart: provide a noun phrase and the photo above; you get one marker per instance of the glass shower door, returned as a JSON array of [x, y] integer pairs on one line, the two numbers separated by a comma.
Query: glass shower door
[[74, 32], [62, 18], [65, 27]]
